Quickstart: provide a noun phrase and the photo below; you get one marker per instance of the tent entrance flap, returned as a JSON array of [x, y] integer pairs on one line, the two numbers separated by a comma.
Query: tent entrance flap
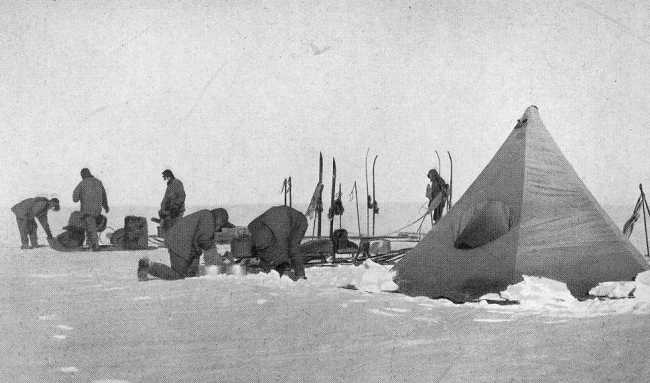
[[482, 224]]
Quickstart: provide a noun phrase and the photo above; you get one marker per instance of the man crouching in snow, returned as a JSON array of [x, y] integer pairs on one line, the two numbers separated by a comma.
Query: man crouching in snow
[[275, 237], [185, 241]]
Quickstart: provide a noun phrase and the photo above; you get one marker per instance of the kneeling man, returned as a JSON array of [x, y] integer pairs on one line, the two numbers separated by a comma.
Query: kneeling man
[[276, 236], [191, 236]]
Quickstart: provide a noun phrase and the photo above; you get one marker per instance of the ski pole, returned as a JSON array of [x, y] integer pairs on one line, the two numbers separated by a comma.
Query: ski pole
[[451, 181], [645, 227], [340, 197], [319, 201], [367, 197], [374, 199], [356, 195], [332, 196]]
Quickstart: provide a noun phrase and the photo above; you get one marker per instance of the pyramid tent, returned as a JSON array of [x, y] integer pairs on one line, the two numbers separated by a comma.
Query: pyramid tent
[[527, 213]]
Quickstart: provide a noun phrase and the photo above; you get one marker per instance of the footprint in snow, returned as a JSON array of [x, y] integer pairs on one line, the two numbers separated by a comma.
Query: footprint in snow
[[426, 319], [47, 276], [64, 327], [379, 312], [114, 288], [397, 310]]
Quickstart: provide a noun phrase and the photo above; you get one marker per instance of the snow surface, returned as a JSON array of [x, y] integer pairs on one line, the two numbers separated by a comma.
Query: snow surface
[[546, 297], [343, 323]]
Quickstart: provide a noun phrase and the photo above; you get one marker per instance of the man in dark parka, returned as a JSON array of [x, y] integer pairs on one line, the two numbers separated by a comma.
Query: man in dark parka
[[437, 186], [276, 236], [92, 195], [191, 236], [172, 206], [29, 209]]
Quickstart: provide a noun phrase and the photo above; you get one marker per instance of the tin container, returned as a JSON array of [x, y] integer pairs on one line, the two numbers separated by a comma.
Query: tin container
[[240, 248], [238, 270]]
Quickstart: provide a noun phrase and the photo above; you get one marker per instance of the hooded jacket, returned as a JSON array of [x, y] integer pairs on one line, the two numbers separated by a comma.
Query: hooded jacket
[[92, 195], [174, 199], [193, 234], [276, 234]]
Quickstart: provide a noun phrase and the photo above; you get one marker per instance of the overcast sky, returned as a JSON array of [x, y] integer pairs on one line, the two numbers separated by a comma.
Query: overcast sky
[[235, 96]]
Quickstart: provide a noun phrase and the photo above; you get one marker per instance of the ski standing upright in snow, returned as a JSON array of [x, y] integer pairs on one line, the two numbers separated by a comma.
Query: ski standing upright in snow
[[332, 197], [375, 207], [319, 201], [356, 197], [368, 198], [451, 181]]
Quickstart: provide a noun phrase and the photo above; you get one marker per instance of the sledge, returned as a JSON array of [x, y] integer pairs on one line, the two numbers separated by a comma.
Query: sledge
[[325, 251], [56, 245]]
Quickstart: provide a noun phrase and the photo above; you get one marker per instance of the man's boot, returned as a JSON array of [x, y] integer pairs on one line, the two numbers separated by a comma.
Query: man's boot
[[143, 269], [33, 239]]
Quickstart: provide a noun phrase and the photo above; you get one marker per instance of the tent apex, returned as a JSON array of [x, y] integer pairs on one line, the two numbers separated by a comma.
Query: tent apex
[[531, 112]]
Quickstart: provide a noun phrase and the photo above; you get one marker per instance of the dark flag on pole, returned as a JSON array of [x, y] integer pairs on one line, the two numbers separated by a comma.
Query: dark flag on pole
[[629, 224]]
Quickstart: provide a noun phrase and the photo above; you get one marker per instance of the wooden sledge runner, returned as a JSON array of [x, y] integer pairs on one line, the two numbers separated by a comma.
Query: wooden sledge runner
[[56, 245]]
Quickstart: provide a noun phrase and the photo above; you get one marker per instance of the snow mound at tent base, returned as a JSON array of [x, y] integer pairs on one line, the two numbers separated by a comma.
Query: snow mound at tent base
[[369, 277], [373, 277], [539, 292], [642, 291], [613, 290], [547, 297]]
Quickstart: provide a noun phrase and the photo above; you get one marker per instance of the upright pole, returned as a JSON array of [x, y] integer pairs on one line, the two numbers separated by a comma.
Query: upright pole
[[319, 203], [332, 196], [340, 197], [356, 197], [451, 181], [645, 226], [374, 199], [367, 198], [284, 190], [290, 192]]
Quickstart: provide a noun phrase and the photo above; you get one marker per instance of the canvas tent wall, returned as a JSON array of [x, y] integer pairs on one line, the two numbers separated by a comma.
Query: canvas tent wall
[[527, 213]]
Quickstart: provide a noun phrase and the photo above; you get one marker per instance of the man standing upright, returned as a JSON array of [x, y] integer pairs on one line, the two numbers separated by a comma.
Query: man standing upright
[[92, 195], [26, 211], [172, 206], [437, 191]]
